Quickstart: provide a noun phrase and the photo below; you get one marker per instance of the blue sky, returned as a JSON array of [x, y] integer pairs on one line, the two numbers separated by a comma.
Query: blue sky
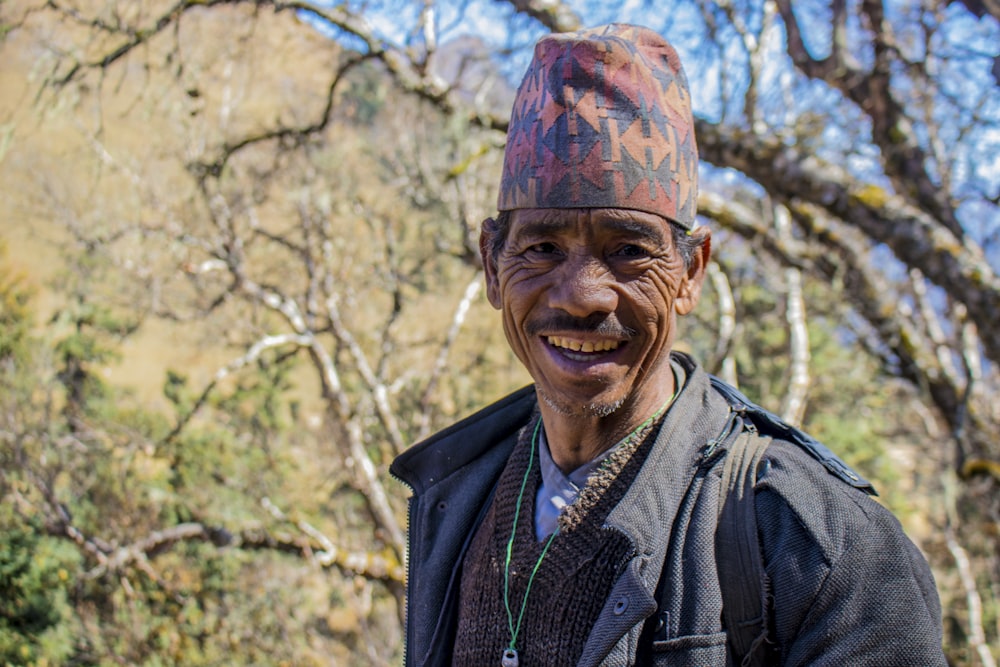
[[718, 75]]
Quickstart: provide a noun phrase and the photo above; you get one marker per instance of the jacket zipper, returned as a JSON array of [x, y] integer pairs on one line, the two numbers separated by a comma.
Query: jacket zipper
[[726, 434], [409, 572]]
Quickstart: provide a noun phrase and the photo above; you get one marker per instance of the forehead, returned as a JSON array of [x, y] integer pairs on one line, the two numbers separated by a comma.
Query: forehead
[[590, 221]]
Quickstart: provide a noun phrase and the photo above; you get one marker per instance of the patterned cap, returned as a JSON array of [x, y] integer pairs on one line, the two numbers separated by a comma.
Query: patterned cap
[[603, 119]]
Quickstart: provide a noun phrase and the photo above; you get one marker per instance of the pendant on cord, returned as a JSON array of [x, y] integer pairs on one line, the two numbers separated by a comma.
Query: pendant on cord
[[509, 658]]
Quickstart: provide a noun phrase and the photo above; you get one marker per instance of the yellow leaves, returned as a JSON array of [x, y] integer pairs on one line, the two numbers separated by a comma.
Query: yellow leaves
[[463, 166], [375, 564], [394, 568], [871, 196], [983, 467]]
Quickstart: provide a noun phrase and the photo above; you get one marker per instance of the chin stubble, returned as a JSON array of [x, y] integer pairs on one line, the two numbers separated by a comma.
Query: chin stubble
[[599, 410]]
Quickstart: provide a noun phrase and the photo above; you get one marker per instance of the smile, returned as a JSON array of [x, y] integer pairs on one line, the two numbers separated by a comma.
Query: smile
[[579, 346]]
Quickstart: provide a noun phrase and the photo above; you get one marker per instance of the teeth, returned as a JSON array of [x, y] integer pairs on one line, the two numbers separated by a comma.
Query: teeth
[[588, 346]]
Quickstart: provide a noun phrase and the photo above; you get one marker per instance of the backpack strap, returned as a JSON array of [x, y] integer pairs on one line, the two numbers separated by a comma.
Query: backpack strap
[[771, 424], [745, 586], [743, 581]]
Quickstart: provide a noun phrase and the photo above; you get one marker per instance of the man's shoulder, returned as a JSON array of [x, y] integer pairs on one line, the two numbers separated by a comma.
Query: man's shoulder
[[466, 440], [830, 550], [798, 500], [805, 492]]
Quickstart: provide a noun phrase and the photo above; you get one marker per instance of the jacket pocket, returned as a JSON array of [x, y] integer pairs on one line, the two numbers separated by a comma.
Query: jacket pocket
[[691, 651]]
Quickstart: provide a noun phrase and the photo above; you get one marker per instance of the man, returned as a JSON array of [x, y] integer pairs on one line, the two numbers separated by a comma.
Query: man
[[575, 521]]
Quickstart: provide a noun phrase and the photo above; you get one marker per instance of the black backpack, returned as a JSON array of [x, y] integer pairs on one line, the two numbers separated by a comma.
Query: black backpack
[[744, 582]]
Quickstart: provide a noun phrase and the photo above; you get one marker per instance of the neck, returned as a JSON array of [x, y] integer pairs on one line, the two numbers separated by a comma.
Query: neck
[[575, 439]]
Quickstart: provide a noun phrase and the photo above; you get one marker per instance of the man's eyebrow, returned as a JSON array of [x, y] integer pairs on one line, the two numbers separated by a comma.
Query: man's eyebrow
[[548, 226], [544, 226], [651, 233]]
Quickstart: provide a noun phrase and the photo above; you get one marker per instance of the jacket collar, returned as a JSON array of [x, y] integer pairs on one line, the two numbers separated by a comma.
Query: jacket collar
[[425, 464]]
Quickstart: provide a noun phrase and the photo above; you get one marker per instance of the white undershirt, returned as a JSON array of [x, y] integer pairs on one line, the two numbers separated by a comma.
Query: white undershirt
[[558, 489]]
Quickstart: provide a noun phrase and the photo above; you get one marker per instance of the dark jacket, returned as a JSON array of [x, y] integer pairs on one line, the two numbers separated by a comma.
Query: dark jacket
[[848, 587]]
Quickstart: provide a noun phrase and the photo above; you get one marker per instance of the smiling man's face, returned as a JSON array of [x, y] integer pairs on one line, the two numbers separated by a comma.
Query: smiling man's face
[[589, 299]]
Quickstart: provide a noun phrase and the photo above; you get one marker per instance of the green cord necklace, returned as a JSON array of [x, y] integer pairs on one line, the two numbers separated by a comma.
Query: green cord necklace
[[509, 658]]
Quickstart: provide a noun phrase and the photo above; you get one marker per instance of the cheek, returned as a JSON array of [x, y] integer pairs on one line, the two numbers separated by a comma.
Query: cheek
[[518, 289], [654, 294], [517, 297]]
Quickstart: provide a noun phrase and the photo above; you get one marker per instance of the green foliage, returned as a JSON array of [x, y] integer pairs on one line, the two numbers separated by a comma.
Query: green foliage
[[762, 357], [854, 410], [260, 398], [35, 570], [234, 454], [94, 330], [35, 575]]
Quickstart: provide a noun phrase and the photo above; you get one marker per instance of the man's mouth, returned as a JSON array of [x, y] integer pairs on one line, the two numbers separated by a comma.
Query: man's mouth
[[582, 350]]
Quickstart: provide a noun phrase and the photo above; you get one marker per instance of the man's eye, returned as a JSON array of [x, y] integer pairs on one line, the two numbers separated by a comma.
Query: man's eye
[[543, 248], [631, 250]]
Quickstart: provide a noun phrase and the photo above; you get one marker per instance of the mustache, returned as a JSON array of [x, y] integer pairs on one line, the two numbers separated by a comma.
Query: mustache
[[605, 325]]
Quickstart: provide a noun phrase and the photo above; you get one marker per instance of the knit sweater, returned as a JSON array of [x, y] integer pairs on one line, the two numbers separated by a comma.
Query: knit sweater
[[573, 580]]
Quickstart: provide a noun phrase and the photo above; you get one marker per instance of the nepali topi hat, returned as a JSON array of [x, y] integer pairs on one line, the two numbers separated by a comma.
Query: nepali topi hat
[[602, 119]]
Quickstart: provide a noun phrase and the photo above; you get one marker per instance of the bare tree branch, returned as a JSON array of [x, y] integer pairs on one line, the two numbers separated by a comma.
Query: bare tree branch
[[113, 560], [367, 478], [974, 603], [252, 355], [751, 225], [555, 15], [377, 566], [471, 290], [134, 37], [723, 358], [280, 133], [794, 404], [872, 92], [934, 328], [381, 566], [954, 263], [836, 252]]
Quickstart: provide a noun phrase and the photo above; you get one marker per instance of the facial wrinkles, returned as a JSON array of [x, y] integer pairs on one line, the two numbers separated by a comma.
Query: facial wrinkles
[[659, 284], [644, 291], [585, 243], [574, 279]]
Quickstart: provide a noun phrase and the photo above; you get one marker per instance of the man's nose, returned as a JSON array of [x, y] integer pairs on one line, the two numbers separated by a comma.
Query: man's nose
[[584, 286]]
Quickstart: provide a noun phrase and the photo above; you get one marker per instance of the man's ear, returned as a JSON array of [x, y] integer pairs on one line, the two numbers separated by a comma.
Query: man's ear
[[689, 291], [487, 234]]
